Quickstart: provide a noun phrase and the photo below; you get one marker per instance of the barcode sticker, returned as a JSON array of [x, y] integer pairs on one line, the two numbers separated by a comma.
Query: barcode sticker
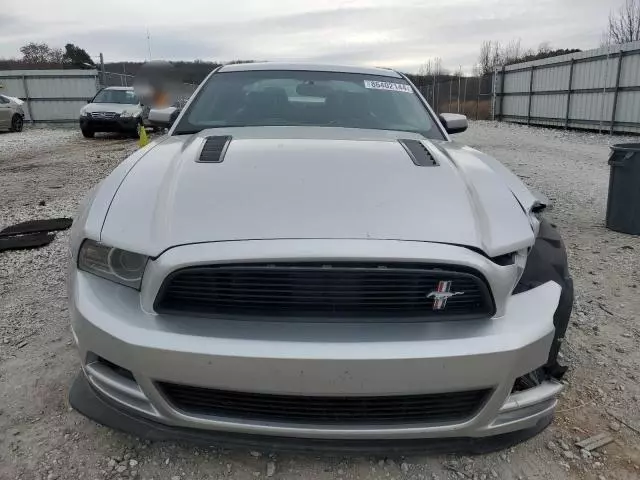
[[395, 87]]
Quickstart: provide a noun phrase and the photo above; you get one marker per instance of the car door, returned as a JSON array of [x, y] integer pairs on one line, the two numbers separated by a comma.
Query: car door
[[5, 113]]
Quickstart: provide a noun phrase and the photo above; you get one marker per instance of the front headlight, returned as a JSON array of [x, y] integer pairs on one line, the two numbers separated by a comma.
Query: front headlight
[[127, 114], [111, 263], [84, 114]]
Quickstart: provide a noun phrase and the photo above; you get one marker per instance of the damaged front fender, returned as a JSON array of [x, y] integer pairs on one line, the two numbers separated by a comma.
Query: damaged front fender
[[546, 262]]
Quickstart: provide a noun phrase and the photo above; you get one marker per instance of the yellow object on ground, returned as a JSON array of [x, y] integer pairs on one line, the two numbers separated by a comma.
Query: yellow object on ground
[[144, 139]]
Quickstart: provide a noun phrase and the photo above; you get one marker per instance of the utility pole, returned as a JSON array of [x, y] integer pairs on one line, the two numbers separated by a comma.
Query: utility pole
[[464, 99], [459, 78], [149, 43], [433, 91], [102, 73]]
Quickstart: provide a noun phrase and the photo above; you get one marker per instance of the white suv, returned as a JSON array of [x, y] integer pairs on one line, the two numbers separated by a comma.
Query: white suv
[[113, 109]]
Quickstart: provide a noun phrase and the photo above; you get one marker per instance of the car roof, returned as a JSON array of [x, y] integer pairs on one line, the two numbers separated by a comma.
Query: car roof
[[313, 67], [119, 88]]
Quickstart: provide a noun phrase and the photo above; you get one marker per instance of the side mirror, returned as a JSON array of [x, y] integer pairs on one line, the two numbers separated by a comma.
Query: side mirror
[[89, 101], [454, 123], [163, 117]]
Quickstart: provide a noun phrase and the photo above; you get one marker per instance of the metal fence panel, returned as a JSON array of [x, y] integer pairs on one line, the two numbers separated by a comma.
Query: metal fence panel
[[591, 108], [629, 71], [514, 104], [597, 90], [548, 105], [595, 74], [518, 82], [12, 85], [628, 108], [55, 111], [553, 78], [50, 95]]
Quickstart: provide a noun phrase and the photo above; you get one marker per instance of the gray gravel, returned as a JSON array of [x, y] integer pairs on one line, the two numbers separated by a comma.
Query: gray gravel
[[41, 438]]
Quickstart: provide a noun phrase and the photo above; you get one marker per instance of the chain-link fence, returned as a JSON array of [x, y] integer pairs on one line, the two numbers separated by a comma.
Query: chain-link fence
[[470, 96], [112, 79]]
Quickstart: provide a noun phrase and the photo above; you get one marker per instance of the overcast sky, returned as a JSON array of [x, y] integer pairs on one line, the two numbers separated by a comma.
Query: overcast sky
[[401, 33]]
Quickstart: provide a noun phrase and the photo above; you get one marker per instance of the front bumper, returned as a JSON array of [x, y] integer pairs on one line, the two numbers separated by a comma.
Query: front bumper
[[129, 124], [92, 404], [115, 323]]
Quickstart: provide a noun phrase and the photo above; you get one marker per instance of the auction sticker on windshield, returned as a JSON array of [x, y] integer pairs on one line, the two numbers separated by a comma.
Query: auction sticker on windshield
[[396, 87]]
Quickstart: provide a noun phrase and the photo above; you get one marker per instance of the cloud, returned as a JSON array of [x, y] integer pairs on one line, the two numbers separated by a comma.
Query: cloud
[[401, 34]]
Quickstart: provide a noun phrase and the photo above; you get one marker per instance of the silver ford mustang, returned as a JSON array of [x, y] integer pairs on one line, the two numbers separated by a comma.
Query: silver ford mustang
[[307, 259]]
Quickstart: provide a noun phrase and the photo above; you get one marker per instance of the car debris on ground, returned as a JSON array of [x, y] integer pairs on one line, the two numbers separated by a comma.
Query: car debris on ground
[[594, 442], [32, 233]]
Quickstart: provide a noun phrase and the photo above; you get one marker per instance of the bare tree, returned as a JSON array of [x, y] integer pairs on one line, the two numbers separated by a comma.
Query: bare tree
[[34, 52], [426, 69], [431, 67], [56, 55], [497, 58], [493, 55], [485, 58], [624, 25], [512, 52], [544, 48]]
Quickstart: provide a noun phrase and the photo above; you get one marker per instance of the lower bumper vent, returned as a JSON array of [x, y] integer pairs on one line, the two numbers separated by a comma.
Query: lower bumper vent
[[432, 408]]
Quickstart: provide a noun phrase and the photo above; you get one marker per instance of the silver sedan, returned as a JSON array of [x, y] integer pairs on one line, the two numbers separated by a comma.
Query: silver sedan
[[11, 114]]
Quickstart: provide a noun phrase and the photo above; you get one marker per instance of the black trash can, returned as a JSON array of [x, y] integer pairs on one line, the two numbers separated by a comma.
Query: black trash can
[[623, 205]]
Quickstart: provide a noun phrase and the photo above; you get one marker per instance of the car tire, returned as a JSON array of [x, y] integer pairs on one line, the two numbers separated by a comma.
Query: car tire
[[17, 122], [87, 133]]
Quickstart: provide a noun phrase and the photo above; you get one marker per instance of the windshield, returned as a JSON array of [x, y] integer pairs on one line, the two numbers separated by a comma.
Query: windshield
[[116, 96], [307, 98]]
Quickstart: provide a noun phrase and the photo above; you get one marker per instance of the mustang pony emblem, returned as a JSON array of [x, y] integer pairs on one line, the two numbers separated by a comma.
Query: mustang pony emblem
[[442, 294]]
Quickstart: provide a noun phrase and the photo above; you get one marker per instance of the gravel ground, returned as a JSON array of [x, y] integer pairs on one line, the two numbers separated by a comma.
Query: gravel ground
[[45, 173]]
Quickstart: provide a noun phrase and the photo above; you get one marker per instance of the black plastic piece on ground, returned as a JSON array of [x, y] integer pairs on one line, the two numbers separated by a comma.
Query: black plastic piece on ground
[[87, 401], [21, 242], [35, 226]]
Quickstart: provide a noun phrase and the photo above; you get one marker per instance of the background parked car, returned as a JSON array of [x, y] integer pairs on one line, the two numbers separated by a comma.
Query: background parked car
[[113, 109], [11, 113]]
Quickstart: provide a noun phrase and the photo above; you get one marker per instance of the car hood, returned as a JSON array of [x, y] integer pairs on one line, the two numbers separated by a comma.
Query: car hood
[[302, 183], [110, 107]]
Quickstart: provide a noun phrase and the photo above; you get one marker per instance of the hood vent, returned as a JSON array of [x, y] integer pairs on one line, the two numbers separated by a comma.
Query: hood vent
[[214, 149], [419, 154]]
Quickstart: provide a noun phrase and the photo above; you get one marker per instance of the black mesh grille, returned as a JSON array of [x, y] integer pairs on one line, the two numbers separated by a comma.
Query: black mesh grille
[[335, 291], [433, 408]]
